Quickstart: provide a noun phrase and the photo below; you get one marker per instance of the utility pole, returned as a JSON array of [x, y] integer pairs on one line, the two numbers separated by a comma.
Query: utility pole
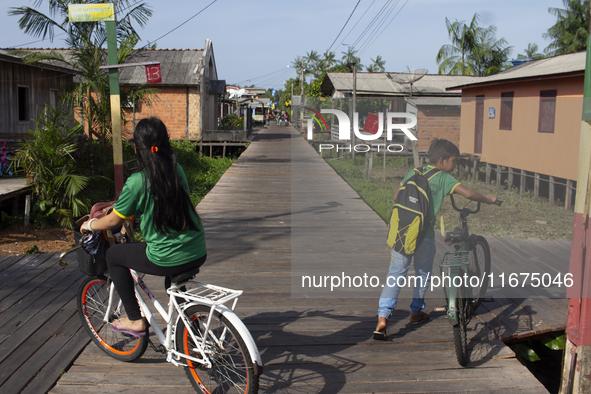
[[353, 108]]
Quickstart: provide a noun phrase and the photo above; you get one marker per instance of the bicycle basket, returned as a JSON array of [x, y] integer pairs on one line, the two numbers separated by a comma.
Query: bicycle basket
[[91, 265]]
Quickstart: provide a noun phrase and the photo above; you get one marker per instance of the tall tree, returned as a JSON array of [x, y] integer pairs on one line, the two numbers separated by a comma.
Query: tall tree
[[454, 58], [312, 60], [569, 33], [474, 50], [328, 59], [531, 52], [351, 57], [377, 66], [490, 56]]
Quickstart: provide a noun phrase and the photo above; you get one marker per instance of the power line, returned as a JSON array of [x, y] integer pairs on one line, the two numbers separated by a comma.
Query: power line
[[156, 40], [378, 25], [371, 23], [380, 33], [250, 79], [355, 25], [335, 40]]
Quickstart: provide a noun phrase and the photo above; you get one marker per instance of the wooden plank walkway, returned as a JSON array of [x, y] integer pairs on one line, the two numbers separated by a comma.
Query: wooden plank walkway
[[40, 331], [280, 211], [12, 187]]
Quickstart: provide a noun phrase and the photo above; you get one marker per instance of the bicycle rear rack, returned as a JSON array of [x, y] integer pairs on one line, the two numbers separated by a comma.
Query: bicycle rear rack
[[458, 258], [205, 293]]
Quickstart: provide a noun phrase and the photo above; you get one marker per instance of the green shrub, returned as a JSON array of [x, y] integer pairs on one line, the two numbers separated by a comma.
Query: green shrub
[[202, 172], [52, 171]]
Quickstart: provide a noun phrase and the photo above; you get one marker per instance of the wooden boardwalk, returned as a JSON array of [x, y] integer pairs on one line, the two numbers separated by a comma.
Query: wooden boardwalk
[[40, 331], [11, 187], [280, 212]]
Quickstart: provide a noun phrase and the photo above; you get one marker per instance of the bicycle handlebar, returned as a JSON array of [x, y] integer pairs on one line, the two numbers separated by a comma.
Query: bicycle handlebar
[[470, 211]]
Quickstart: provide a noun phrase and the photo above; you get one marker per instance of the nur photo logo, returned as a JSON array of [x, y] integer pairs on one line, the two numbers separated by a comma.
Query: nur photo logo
[[372, 131]]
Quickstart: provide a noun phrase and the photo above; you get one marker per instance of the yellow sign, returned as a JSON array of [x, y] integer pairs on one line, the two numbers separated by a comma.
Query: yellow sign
[[91, 12]]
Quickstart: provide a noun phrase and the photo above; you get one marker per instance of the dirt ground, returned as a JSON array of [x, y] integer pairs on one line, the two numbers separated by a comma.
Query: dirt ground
[[13, 240]]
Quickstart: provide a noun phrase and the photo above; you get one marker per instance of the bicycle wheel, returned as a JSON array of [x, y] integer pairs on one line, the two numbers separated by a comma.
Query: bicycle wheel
[[460, 338], [232, 369], [93, 299], [480, 267]]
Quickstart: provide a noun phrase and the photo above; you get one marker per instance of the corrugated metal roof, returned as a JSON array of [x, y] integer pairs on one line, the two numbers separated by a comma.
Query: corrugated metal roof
[[568, 63], [49, 64], [440, 101], [386, 84], [177, 66]]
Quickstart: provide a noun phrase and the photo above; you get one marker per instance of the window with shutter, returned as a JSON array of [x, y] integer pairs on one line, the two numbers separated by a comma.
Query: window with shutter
[[547, 111], [506, 111]]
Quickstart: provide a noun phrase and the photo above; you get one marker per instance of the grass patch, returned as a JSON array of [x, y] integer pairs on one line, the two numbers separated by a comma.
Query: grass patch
[[518, 217], [202, 172]]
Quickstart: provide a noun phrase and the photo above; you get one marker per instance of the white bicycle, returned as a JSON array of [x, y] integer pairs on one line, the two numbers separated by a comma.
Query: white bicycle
[[202, 334]]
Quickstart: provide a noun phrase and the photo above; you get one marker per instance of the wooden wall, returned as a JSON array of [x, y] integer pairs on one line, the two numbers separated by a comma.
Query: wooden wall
[[524, 147], [40, 83]]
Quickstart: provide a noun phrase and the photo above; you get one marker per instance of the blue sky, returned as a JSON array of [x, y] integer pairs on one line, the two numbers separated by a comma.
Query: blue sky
[[258, 37]]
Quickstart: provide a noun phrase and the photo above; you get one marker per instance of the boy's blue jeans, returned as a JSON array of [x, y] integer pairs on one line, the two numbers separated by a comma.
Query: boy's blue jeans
[[399, 264]]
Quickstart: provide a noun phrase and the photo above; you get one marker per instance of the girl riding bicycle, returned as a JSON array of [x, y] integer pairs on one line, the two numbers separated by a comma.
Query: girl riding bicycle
[[159, 195]]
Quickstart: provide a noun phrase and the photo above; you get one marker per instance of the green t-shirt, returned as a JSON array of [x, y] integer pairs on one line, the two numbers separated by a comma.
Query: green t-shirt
[[164, 250], [442, 184]]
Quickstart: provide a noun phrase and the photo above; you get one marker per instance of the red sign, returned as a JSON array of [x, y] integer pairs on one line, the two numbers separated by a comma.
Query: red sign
[[371, 123], [153, 74]]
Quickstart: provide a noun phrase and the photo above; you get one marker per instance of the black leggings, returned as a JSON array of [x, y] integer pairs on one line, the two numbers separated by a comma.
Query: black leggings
[[122, 257]]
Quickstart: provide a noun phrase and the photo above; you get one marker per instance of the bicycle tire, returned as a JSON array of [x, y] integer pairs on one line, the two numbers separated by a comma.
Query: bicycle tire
[[232, 370], [460, 337], [93, 297], [480, 262]]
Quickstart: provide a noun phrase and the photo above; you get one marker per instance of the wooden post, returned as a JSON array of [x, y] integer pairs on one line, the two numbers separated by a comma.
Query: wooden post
[[365, 169], [499, 174], [224, 150], [522, 183], [370, 164], [475, 171], [551, 190], [510, 177], [568, 195], [27, 212], [536, 187], [487, 181]]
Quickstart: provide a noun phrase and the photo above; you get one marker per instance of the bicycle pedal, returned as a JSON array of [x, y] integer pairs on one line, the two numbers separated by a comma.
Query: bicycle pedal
[[440, 309]]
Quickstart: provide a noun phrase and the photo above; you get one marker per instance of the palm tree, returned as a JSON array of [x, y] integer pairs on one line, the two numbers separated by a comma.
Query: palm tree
[[569, 33], [474, 50], [455, 59], [378, 65], [312, 60], [328, 59], [489, 55], [350, 57], [531, 52]]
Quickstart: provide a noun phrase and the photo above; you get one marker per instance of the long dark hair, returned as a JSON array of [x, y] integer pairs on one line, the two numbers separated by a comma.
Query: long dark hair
[[172, 205]]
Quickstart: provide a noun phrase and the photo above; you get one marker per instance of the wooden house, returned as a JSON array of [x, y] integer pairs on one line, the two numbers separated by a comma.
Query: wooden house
[[25, 89], [526, 122]]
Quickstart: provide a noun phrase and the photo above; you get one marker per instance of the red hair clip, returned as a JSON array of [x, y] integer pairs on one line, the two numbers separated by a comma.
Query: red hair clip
[[154, 149]]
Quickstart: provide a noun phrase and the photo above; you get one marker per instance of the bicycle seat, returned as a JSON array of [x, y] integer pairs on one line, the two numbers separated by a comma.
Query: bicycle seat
[[183, 276], [455, 236]]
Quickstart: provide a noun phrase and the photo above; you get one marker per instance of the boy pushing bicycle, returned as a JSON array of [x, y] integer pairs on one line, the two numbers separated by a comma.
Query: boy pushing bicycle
[[442, 156]]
